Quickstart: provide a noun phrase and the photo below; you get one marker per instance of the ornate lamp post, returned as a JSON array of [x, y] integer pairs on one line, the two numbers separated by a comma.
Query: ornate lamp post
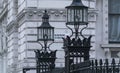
[[45, 58], [76, 46]]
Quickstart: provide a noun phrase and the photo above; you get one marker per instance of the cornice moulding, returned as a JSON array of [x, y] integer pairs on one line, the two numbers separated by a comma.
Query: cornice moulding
[[35, 14]]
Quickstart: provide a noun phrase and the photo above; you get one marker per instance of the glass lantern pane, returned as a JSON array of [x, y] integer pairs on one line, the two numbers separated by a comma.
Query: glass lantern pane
[[80, 13], [45, 36], [49, 34], [68, 15], [46, 33], [43, 33], [77, 15], [39, 34], [72, 15], [85, 15], [67, 12], [53, 34]]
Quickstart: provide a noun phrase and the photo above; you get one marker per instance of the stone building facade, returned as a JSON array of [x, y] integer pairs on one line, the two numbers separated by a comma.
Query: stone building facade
[[19, 20]]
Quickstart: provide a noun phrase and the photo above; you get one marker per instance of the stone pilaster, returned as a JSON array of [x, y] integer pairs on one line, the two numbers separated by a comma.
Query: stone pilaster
[[12, 54]]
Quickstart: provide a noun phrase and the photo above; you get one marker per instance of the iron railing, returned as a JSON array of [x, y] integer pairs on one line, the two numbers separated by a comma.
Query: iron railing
[[96, 66]]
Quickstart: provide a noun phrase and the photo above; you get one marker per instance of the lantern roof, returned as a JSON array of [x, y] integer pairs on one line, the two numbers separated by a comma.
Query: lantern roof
[[77, 3], [45, 25], [45, 22]]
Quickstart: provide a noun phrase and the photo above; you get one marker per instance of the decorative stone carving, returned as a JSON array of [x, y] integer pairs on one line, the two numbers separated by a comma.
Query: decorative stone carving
[[52, 12], [92, 15], [35, 12]]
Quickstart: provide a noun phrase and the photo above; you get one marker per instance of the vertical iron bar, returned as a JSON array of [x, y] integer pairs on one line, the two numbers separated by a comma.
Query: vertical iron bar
[[101, 63], [96, 66]]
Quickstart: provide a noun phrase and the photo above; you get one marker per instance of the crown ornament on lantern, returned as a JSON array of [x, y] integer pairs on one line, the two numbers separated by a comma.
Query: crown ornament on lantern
[[77, 42]]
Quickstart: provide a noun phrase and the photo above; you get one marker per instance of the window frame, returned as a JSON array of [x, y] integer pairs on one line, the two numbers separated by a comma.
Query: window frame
[[112, 13]]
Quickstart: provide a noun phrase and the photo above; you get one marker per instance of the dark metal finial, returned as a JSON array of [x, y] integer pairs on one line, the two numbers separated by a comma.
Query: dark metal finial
[[77, 1], [45, 15], [45, 11]]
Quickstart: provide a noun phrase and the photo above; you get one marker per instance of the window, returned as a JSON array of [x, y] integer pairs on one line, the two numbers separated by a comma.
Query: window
[[115, 52], [114, 21]]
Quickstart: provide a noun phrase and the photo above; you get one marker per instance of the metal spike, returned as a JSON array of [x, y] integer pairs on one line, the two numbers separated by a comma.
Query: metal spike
[[96, 63], [101, 62], [106, 61], [113, 61]]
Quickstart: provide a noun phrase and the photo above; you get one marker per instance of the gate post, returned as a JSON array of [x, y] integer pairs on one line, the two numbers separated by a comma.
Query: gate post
[[76, 46]]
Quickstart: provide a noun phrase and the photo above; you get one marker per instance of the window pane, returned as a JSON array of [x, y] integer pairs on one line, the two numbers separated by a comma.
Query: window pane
[[114, 6], [114, 28], [115, 54], [114, 21]]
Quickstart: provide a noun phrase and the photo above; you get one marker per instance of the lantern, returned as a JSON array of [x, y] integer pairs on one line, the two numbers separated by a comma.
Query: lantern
[[77, 13], [45, 31]]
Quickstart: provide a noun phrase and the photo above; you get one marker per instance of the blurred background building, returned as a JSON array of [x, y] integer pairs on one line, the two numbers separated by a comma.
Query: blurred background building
[[19, 20]]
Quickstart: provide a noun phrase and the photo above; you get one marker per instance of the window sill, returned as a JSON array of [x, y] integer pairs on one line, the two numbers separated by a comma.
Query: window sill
[[110, 45]]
